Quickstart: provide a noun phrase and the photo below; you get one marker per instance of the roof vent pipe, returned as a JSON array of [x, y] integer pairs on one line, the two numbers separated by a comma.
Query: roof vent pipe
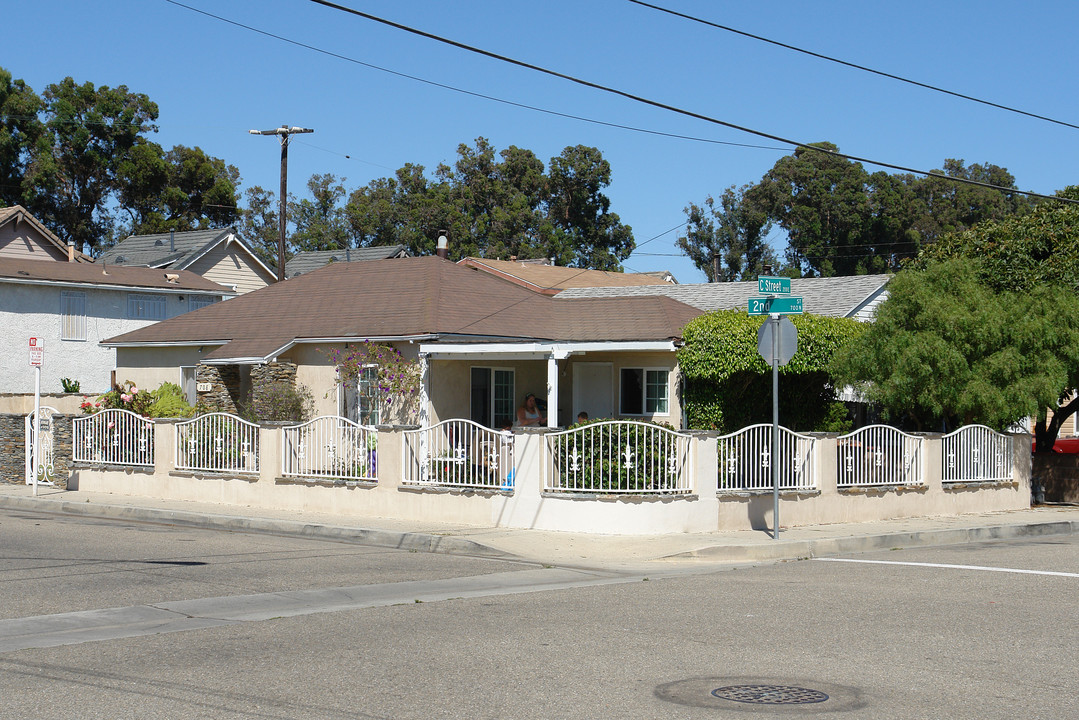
[[348, 254], [172, 241], [442, 247]]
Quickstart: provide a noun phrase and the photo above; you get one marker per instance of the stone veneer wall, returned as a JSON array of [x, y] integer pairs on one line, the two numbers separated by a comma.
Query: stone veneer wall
[[268, 382], [13, 448], [224, 395]]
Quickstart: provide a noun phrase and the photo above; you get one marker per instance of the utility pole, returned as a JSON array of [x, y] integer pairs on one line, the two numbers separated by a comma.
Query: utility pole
[[284, 131]]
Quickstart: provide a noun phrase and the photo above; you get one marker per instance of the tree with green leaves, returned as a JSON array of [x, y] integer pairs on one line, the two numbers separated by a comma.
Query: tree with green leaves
[[947, 349], [182, 189], [842, 220], [87, 133], [20, 129], [259, 225], [726, 239], [320, 222], [78, 157], [728, 385], [1029, 255], [498, 205]]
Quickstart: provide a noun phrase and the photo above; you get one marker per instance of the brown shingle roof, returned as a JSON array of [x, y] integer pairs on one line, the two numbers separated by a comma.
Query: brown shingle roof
[[550, 279], [39, 272], [409, 297]]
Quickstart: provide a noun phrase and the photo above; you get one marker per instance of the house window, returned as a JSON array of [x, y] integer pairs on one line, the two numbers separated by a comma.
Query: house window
[[644, 391], [492, 397], [141, 306], [72, 315], [358, 401], [200, 301]]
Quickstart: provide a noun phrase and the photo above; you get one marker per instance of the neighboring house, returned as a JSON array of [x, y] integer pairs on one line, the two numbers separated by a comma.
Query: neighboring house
[[217, 255], [542, 277], [305, 262], [72, 306], [482, 343], [854, 296], [22, 236]]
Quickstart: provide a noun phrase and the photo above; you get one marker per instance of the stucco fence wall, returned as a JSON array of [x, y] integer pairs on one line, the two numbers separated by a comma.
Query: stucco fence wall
[[705, 509]]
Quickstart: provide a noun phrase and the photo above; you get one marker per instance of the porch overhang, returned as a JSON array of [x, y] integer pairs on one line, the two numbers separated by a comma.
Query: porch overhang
[[538, 350]]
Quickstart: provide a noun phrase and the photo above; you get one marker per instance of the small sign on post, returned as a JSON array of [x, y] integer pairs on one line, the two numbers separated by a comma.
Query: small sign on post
[[37, 352]]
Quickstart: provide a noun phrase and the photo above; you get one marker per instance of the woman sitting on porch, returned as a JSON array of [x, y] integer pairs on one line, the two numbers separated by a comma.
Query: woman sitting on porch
[[529, 413]]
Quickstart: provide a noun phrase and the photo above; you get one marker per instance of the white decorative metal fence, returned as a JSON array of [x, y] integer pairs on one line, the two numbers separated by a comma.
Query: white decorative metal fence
[[217, 442], [45, 469], [878, 455], [618, 457], [114, 437], [745, 459], [976, 453], [329, 446], [459, 453]]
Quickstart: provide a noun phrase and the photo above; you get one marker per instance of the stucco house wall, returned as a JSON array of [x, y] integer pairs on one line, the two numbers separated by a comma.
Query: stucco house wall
[[34, 311]]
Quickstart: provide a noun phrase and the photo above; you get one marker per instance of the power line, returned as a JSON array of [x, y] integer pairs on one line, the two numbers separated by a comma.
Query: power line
[[863, 68], [472, 93], [665, 106]]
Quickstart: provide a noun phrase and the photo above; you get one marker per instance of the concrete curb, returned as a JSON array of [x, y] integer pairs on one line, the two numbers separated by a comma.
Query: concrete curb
[[420, 542], [825, 547]]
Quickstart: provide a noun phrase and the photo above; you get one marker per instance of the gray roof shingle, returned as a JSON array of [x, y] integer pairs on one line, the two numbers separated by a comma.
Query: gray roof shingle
[[832, 296], [305, 262], [161, 250]]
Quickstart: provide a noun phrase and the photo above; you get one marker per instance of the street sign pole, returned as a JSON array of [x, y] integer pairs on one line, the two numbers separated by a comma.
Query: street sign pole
[[774, 319], [37, 424]]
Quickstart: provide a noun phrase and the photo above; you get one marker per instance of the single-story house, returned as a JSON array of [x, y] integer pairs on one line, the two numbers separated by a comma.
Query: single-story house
[[482, 343], [218, 255], [72, 306], [305, 262], [542, 277]]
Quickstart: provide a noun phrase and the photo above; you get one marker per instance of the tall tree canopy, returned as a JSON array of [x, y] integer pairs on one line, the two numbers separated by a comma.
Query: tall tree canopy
[[726, 239], [79, 158], [497, 206], [842, 220]]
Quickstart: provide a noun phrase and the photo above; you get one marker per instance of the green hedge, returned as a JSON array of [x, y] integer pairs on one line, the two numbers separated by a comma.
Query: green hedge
[[728, 385]]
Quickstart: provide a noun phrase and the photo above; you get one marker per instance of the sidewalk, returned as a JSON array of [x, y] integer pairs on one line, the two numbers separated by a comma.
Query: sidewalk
[[616, 552]]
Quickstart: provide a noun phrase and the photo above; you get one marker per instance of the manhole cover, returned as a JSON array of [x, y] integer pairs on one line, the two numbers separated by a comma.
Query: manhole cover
[[770, 694]]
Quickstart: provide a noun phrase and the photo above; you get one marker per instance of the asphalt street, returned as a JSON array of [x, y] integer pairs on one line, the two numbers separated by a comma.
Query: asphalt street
[[284, 627]]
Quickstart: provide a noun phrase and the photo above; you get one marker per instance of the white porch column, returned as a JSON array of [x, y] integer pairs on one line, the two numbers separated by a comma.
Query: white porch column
[[425, 387], [552, 390]]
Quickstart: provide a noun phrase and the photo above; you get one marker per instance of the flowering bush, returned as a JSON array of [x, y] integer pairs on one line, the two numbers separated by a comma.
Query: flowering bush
[[398, 379], [166, 401]]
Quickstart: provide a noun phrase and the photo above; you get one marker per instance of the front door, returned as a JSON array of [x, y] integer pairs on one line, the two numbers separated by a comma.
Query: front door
[[593, 390]]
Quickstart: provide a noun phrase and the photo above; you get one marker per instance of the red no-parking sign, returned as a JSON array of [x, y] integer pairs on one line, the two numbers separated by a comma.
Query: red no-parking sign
[[37, 352]]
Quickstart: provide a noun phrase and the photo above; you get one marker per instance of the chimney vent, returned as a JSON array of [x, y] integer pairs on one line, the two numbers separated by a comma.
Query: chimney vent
[[442, 247]]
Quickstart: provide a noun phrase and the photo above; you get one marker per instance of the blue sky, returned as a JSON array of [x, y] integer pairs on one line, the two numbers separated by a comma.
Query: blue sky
[[213, 81]]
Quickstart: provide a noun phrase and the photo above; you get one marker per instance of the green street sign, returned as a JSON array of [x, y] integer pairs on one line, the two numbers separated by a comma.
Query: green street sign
[[773, 285], [783, 305]]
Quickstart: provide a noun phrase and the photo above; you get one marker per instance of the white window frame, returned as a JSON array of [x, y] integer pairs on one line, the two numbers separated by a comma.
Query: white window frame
[[73, 315], [492, 396], [373, 410], [147, 306], [665, 400]]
